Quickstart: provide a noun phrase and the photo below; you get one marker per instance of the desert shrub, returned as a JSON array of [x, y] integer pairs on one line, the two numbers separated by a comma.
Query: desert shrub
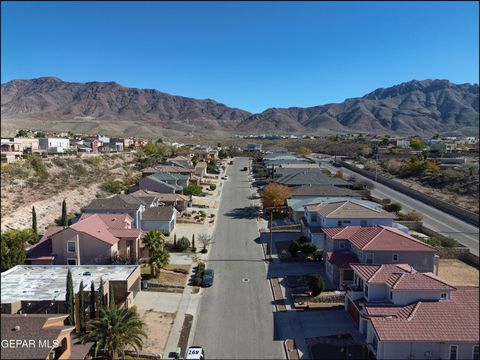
[[193, 189], [212, 215], [36, 162], [203, 214], [93, 161], [308, 248], [113, 186], [201, 266], [165, 232], [59, 162], [79, 169], [294, 248], [393, 207], [211, 221], [213, 187], [14, 171], [183, 244], [413, 216], [386, 201], [197, 281], [204, 251], [316, 284]]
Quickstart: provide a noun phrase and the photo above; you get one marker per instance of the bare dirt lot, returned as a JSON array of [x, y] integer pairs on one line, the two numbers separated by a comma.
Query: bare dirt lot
[[157, 326], [457, 273]]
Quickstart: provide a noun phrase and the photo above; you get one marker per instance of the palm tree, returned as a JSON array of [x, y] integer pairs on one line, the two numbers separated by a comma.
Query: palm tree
[[115, 330], [159, 255]]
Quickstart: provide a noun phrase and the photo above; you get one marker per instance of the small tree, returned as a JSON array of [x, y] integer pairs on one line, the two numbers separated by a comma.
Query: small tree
[[34, 221], [158, 254], [101, 295], [205, 240], [274, 195], [308, 248], [316, 284], [92, 301], [64, 214], [69, 300], [294, 248], [193, 243], [193, 189], [81, 306]]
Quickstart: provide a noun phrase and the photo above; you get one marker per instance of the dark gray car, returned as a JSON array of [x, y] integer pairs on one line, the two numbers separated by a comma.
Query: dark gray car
[[208, 277]]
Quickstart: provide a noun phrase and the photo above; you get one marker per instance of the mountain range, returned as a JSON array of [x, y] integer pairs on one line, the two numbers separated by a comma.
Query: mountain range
[[416, 107]]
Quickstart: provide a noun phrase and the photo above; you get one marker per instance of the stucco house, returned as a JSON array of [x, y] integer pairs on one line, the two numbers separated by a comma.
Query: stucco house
[[405, 314], [373, 245], [94, 239], [119, 204], [179, 201], [161, 218], [346, 212]]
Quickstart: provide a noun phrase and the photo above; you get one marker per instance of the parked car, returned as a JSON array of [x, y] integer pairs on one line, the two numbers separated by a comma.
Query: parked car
[[195, 352], [225, 177], [208, 277]]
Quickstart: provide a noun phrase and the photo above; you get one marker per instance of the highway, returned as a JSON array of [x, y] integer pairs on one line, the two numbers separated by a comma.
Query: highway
[[445, 224], [235, 316]]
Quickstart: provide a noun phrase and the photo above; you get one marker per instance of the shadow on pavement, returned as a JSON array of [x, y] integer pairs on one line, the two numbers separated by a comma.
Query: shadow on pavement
[[249, 212]]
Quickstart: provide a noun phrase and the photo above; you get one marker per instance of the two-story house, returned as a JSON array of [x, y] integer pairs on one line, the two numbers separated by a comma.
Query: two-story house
[[373, 245], [405, 314], [94, 239], [120, 204], [341, 213]]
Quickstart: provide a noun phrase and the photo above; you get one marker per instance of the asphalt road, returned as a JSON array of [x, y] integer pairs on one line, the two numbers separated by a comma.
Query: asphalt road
[[433, 218], [235, 316]]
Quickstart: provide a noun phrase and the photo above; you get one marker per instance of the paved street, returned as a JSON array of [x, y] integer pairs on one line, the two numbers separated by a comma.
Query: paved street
[[235, 317], [433, 218]]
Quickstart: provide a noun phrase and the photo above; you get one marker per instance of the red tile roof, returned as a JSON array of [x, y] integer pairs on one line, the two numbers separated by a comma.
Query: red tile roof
[[454, 320], [341, 259], [94, 226], [399, 277], [378, 238], [113, 221], [126, 233]]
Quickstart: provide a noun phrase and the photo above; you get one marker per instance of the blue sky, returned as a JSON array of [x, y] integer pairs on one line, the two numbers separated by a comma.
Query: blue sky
[[251, 55]]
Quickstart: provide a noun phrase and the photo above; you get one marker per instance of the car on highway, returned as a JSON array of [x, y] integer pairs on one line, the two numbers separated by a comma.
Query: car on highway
[[225, 177], [245, 168], [208, 277], [195, 352]]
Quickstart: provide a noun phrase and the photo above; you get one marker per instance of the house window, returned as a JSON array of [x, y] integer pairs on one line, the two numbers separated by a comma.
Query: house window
[[395, 257], [346, 221], [339, 223], [453, 352], [72, 262], [366, 290], [476, 352], [443, 296], [391, 295], [342, 245], [363, 223], [71, 246], [314, 217]]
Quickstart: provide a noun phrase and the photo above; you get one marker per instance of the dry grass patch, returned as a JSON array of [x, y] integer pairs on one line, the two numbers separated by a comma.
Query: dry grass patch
[[157, 326], [458, 273]]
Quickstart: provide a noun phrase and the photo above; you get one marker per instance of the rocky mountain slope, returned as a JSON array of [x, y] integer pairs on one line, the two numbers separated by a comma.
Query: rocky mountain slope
[[415, 107]]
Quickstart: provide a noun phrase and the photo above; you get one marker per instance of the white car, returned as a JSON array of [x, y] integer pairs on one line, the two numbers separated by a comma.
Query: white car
[[225, 177], [195, 352]]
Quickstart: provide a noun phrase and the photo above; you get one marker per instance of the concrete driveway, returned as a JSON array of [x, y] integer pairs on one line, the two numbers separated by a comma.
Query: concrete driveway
[[300, 325]]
